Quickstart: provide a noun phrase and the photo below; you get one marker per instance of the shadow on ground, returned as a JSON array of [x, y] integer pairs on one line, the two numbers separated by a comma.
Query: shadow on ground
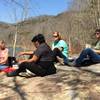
[[68, 84]]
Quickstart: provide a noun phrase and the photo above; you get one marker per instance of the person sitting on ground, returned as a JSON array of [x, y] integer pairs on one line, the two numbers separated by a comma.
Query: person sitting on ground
[[60, 48], [5, 60], [89, 56], [3, 53], [41, 63]]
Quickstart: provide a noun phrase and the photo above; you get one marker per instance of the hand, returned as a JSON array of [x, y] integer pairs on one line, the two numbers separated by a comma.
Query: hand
[[21, 61], [60, 48], [87, 46], [2, 63], [96, 51], [21, 53]]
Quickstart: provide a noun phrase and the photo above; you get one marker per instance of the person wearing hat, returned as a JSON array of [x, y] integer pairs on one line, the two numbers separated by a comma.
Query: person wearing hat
[[41, 63], [89, 55]]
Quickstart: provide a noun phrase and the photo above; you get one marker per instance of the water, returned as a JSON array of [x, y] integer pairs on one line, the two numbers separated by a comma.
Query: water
[[17, 50]]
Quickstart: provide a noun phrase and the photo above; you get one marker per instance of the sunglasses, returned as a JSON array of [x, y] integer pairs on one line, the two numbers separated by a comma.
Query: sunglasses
[[55, 36], [97, 33]]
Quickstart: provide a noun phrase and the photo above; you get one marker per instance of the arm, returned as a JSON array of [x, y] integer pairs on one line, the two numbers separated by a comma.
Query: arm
[[25, 53], [59, 45], [62, 45], [33, 59], [61, 48], [5, 58], [97, 48], [96, 51]]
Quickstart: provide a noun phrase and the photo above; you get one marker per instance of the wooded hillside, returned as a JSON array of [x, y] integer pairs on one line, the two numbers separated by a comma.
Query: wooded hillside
[[76, 25]]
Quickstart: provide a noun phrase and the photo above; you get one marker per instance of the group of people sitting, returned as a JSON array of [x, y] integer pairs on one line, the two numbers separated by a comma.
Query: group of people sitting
[[42, 61]]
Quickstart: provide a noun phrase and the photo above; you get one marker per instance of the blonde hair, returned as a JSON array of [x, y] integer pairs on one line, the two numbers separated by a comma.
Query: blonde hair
[[58, 34]]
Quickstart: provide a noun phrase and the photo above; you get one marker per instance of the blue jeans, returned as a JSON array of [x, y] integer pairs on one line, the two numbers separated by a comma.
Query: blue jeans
[[3, 67], [89, 55]]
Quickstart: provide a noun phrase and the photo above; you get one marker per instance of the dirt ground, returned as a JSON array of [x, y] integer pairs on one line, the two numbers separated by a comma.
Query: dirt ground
[[69, 83]]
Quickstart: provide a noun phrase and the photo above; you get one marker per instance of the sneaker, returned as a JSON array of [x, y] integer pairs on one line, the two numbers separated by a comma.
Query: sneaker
[[26, 74], [73, 64], [23, 74], [70, 64]]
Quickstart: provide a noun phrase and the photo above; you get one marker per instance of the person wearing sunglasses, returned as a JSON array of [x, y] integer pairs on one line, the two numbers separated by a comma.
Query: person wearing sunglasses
[[89, 55], [60, 49]]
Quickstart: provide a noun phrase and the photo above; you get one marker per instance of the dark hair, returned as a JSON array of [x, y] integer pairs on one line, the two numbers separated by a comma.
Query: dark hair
[[39, 37], [97, 30]]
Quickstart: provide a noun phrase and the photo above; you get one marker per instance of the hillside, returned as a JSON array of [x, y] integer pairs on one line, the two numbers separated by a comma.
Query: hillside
[[72, 25]]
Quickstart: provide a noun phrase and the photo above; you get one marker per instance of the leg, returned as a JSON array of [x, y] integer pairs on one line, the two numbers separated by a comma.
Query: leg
[[36, 69], [87, 62], [88, 53], [10, 61], [57, 52]]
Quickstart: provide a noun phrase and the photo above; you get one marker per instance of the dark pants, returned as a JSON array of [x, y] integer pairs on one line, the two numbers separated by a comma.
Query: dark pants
[[88, 56], [36, 69], [11, 61], [57, 52]]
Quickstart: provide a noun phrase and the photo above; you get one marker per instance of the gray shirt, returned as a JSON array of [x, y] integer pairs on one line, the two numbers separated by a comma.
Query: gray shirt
[[45, 55]]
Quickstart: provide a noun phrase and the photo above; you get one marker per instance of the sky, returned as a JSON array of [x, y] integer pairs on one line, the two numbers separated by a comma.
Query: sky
[[18, 10]]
